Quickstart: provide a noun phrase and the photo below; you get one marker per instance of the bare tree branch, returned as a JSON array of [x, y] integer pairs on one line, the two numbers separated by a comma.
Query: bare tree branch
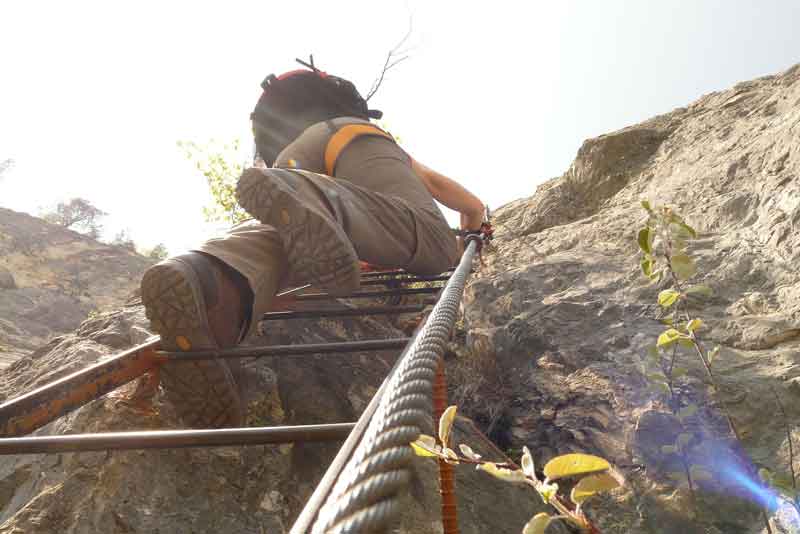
[[392, 59]]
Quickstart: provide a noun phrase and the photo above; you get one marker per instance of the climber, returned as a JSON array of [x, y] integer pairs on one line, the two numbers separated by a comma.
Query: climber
[[333, 189]]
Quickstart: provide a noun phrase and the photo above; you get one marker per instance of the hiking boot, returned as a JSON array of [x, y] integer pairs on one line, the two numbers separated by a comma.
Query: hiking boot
[[196, 302], [317, 248]]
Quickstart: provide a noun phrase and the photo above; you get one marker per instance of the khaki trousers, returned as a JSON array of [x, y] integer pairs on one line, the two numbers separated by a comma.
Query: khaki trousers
[[382, 205]]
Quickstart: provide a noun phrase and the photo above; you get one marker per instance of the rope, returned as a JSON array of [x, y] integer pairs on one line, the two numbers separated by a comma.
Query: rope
[[366, 496]]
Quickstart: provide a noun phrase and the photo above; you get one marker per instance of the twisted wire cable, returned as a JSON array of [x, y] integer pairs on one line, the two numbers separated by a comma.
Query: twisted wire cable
[[367, 494]]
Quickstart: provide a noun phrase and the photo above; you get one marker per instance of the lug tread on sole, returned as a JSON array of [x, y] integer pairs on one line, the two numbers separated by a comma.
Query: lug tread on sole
[[203, 392], [317, 251]]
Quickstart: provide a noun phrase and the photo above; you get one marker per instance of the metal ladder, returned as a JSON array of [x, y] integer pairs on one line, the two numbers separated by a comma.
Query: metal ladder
[[360, 490]]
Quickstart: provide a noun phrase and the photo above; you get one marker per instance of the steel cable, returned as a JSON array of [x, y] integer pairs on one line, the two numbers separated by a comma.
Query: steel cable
[[367, 494]]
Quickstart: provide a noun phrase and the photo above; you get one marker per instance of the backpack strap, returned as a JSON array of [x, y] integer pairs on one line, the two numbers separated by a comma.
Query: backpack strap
[[343, 137]]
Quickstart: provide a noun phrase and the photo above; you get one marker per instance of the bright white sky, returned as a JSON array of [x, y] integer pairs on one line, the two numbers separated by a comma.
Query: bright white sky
[[499, 95]]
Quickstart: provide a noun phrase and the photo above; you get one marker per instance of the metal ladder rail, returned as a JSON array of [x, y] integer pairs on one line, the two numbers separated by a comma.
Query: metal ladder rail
[[361, 489], [28, 412]]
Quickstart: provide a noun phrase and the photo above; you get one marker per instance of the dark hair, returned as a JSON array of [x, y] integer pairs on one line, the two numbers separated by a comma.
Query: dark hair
[[294, 101]]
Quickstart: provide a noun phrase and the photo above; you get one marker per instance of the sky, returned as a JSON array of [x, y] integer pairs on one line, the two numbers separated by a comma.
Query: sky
[[497, 95]]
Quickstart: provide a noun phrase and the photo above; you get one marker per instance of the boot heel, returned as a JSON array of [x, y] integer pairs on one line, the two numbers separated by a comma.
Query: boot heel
[[204, 393]]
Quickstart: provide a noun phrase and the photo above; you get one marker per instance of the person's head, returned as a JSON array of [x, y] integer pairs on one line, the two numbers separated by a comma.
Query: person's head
[[295, 100]]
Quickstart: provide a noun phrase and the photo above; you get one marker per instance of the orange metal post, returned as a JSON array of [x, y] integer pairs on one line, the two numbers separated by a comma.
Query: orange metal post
[[447, 484]]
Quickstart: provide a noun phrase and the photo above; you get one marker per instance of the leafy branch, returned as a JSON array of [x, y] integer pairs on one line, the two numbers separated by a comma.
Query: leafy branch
[[663, 243], [220, 166], [594, 473]]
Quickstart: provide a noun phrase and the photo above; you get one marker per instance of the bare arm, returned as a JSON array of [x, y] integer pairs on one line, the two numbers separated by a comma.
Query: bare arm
[[451, 194]]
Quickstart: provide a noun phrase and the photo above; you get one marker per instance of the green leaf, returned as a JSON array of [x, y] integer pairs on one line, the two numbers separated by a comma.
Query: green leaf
[[677, 219], [686, 342], [446, 424], [592, 485], [467, 451], [644, 240], [547, 491], [713, 353], [657, 275], [426, 446], [502, 473], [538, 524], [668, 297], [692, 231], [668, 338], [700, 290], [528, 466], [765, 474], [570, 465], [646, 205], [647, 266], [694, 324], [450, 456], [683, 266]]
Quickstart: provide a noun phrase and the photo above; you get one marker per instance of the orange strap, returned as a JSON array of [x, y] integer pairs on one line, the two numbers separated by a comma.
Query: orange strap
[[346, 135]]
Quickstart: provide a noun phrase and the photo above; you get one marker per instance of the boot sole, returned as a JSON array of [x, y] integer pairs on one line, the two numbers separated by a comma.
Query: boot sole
[[203, 392], [317, 249]]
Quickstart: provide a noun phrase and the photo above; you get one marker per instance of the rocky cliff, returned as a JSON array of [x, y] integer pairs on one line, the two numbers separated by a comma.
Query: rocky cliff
[[548, 354], [564, 317], [255, 490], [52, 277]]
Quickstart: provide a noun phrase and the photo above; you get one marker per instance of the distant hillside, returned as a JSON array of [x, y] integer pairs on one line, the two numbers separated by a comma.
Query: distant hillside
[[52, 277]]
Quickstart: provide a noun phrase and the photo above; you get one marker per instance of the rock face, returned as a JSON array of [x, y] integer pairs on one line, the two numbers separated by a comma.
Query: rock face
[[548, 354], [51, 278], [225, 490], [562, 316]]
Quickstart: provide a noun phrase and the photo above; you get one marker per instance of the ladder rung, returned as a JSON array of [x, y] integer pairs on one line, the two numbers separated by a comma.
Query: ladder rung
[[290, 350], [395, 272], [341, 312], [407, 280], [170, 439], [371, 294]]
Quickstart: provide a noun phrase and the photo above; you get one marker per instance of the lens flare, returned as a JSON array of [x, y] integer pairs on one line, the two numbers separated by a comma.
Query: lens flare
[[742, 483]]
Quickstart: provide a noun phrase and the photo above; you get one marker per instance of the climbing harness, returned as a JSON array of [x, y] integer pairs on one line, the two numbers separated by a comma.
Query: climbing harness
[[362, 489]]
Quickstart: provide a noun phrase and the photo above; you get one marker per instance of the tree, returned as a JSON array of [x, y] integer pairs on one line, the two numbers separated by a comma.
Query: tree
[[221, 168], [158, 252], [77, 214], [123, 239]]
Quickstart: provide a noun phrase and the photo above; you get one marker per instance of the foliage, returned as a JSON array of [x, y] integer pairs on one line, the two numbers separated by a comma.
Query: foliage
[[220, 166], [158, 252], [77, 214], [663, 244], [123, 239], [594, 475]]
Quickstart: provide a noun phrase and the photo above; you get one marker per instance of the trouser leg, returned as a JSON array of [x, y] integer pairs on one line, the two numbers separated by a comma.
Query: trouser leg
[[393, 197], [255, 250]]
